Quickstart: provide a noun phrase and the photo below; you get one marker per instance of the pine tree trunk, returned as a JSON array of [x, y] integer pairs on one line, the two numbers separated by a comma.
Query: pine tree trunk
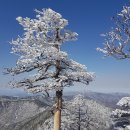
[[57, 112]]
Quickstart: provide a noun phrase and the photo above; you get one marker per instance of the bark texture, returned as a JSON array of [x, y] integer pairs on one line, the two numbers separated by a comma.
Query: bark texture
[[57, 112]]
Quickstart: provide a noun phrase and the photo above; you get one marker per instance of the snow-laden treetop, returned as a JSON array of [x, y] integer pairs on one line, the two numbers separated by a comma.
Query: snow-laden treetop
[[124, 102], [117, 41], [121, 116], [78, 100], [39, 49]]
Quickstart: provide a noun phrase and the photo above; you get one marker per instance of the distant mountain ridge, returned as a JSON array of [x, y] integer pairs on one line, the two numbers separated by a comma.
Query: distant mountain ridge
[[20, 110], [107, 99]]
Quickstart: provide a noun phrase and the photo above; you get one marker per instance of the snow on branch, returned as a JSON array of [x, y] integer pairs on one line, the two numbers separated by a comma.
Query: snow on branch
[[124, 102], [39, 49], [117, 41]]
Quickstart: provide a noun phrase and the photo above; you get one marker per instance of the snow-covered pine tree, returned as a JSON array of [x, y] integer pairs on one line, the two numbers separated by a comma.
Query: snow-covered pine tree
[[39, 50], [88, 115], [117, 41], [121, 116], [78, 103]]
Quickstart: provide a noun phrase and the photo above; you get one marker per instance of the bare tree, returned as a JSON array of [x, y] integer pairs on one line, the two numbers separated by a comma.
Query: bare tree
[[117, 41], [117, 45]]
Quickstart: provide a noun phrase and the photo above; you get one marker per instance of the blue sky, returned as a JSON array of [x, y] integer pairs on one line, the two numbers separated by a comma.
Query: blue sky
[[89, 18]]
